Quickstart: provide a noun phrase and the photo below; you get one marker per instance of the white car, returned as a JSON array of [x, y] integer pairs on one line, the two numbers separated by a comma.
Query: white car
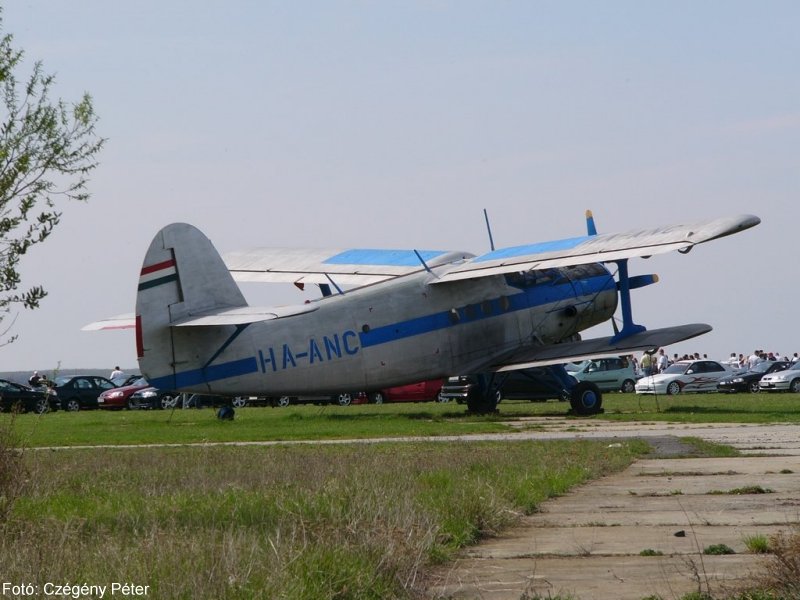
[[782, 381], [684, 376]]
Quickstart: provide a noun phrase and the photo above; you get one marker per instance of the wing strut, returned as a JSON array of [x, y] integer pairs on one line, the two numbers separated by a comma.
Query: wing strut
[[628, 326]]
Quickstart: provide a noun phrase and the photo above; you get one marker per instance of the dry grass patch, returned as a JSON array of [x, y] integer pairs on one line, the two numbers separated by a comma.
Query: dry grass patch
[[360, 521]]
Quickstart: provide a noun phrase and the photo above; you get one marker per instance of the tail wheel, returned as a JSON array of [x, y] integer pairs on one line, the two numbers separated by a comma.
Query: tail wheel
[[586, 399], [674, 388]]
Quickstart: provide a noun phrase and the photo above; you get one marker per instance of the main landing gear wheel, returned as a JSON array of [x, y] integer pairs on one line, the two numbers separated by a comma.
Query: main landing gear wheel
[[586, 399], [480, 403]]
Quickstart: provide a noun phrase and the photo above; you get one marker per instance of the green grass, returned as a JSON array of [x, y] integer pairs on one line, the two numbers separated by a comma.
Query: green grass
[[364, 521], [388, 420]]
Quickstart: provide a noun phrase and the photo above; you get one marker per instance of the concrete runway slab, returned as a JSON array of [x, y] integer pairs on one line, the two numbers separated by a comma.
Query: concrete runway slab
[[587, 544]]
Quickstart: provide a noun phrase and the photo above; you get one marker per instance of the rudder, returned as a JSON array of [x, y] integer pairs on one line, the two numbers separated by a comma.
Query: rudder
[[182, 276]]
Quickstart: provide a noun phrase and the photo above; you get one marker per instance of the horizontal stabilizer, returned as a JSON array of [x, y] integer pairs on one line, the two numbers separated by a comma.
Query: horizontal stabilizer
[[125, 321], [598, 248], [243, 315], [643, 341]]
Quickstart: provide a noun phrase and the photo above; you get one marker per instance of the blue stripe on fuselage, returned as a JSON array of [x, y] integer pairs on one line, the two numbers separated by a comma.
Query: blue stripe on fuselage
[[537, 295], [539, 248], [196, 377]]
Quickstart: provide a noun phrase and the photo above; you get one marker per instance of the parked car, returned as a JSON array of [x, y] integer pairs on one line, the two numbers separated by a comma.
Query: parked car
[[422, 391], [609, 374], [787, 380], [684, 376], [81, 391], [14, 396], [152, 398], [537, 383], [747, 380], [124, 380], [118, 398], [343, 399]]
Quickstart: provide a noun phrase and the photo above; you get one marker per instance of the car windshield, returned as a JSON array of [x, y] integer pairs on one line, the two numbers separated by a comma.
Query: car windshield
[[677, 368], [763, 367], [795, 366], [62, 380]]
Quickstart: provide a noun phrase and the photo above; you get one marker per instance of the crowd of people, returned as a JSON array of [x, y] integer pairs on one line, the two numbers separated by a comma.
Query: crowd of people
[[651, 364]]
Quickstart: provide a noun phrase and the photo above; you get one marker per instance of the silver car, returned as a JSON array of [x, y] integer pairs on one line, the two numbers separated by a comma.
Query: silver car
[[782, 381]]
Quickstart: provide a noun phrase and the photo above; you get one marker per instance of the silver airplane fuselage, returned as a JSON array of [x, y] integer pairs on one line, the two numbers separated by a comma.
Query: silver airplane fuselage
[[389, 333]]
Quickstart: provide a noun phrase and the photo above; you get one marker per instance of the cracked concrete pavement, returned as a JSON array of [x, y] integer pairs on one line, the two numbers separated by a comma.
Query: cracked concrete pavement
[[587, 544]]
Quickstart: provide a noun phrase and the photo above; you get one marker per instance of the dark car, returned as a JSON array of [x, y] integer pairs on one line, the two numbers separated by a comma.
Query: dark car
[[536, 383], [747, 381], [343, 399], [153, 398], [81, 391], [118, 398], [14, 396]]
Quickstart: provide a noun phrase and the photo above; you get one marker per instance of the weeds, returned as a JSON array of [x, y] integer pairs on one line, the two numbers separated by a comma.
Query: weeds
[[358, 522], [748, 489], [12, 470], [756, 544], [718, 549]]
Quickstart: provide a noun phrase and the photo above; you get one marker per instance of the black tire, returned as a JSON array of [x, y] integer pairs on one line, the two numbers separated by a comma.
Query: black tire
[[479, 404], [673, 388], [41, 406], [168, 401], [376, 398], [586, 399], [344, 399], [226, 413], [284, 401], [753, 387], [628, 386], [794, 386], [72, 405], [239, 401], [441, 398]]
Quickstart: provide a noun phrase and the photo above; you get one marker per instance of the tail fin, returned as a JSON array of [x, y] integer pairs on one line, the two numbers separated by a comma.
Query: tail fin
[[182, 275]]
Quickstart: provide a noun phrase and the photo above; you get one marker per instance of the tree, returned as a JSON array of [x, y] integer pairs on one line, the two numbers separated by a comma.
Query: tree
[[47, 150]]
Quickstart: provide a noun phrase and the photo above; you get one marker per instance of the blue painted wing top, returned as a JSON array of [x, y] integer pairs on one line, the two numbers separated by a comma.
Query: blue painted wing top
[[598, 248]]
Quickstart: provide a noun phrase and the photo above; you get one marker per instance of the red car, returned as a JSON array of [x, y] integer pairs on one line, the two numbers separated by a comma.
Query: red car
[[117, 398], [424, 391]]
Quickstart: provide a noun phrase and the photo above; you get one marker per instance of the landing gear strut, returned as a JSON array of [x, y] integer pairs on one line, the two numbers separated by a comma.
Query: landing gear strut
[[482, 398]]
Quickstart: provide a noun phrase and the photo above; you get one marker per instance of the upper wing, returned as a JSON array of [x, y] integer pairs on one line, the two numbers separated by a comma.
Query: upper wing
[[343, 266], [598, 248]]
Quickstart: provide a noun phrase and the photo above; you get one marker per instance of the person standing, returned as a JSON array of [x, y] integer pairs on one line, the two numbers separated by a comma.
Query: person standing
[[662, 362], [117, 372]]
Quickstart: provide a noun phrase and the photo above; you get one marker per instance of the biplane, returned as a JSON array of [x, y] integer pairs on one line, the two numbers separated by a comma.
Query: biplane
[[392, 317]]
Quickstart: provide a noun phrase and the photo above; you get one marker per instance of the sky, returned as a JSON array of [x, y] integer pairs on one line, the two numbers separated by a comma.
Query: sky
[[394, 124]]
